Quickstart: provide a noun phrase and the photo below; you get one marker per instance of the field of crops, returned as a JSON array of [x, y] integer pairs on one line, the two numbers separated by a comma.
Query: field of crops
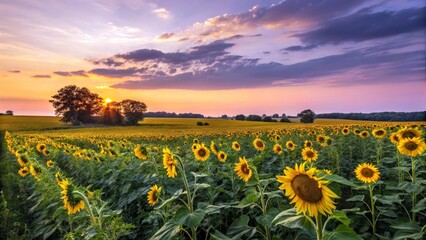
[[171, 179]]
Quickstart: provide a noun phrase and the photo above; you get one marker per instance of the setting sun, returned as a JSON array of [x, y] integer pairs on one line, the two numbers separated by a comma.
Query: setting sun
[[108, 100]]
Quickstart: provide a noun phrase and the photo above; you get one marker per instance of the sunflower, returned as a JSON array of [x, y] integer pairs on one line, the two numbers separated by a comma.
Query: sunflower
[[406, 132], [194, 146], [278, 149], [169, 163], [202, 152], [309, 154], [356, 131], [23, 160], [195, 141], [364, 134], [153, 195], [367, 173], [71, 203], [40, 147], [236, 146], [321, 139], [309, 193], [59, 179], [259, 144], [307, 144], [290, 145], [35, 171], [213, 147], [46, 152], [49, 163], [23, 171], [345, 131], [221, 156], [379, 133], [140, 152], [394, 138], [243, 169], [411, 146]]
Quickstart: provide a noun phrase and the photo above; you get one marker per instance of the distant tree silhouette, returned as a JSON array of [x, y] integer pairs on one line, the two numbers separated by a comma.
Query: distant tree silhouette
[[76, 105], [240, 117], [254, 118], [132, 110], [306, 116]]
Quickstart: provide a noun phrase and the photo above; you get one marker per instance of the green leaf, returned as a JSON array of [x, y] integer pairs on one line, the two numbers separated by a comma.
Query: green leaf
[[338, 179], [420, 206], [356, 198], [240, 227], [342, 232], [211, 209], [184, 217], [407, 226], [201, 185], [171, 199], [168, 231], [196, 175], [341, 217], [389, 199], [219, 236], [290, 219]]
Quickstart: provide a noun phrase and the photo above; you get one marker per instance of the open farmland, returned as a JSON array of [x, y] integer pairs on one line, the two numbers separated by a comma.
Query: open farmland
[[172, 179]]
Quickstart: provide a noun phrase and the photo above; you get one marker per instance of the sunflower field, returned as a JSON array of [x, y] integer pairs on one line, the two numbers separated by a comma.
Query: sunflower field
[[359, 180]]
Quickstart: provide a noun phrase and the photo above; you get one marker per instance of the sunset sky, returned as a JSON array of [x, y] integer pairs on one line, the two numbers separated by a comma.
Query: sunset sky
[[217, 57]]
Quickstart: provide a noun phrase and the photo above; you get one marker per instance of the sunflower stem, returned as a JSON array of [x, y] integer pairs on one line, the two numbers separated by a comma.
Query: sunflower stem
[[413, 180], [318, 219], [89, 208], [373, 218]]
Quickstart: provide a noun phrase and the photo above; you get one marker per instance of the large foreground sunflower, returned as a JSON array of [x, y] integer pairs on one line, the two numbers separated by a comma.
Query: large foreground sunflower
[[407, 132], [169, 163], [258, 144], [243, 169], [201, 153], [411, 146], [309, 193], [309, 154], [367, 173], [153, 195]]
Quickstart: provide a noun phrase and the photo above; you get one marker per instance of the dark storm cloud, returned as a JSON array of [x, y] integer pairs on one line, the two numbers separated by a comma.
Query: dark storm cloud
[[364, 25], [41, 76]]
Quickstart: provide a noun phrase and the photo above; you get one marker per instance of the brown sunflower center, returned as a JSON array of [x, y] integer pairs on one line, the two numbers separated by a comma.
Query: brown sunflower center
[[244, 168], [308, 144], [345, 130], [259, 144], [290, 145], [408, 134], [222, 156], [306, 188], [279, 149], [321, 139], [367, 172], [411, 146], [310, 154], [202, 152], [380, 132], [364, 134]]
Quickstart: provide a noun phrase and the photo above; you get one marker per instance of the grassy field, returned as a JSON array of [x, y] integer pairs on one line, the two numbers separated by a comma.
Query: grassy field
[[18, 123]]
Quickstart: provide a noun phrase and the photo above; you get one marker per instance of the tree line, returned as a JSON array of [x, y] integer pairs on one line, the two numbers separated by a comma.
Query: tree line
[[378, 116]]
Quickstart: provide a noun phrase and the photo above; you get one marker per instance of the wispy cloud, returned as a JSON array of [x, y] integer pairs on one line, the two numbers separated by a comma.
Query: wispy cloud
[[162, 13], [41, 76], [80, 73]]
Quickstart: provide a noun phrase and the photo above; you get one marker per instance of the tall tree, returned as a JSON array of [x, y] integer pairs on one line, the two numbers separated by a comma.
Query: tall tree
[[76, 105], [306, 116], [133, 111]]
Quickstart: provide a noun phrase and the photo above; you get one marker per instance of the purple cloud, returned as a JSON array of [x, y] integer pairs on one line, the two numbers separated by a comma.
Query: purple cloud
[[41, 76], [117, 73], [80, 73], [362, 26], [15, 71]]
